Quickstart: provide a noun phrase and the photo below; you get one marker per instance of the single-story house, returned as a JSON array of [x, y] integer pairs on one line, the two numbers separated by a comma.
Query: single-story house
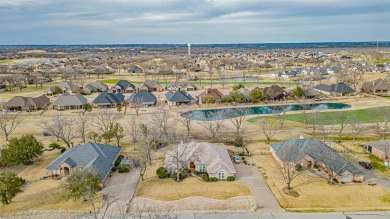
[[27, 103], [204, 157], [135, 69], [246, 92], [123, 86], [90, 156], [210, 92], [65, 86], [178, 97], [310, 152], [69, 101], [380, 149], [311, 93], [96, 86], [275, 92], [339, 89], [181, 85], [150, 85], [144, 97], [377, 86], [107, 100]]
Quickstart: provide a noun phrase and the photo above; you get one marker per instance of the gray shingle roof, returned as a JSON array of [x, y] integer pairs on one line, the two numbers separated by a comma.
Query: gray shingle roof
[[109, 98], [380, 145], [89, 156], [178, 96], [337, 88], [144, 96], [296, 150], [70, 100], [124, 84]]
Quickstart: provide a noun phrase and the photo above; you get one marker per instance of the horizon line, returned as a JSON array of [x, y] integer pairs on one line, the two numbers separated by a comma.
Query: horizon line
[[185, 44]]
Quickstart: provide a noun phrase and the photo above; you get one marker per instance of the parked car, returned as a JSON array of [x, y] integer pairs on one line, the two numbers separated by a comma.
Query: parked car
[[365, 164], [236, 159], [46, 134]]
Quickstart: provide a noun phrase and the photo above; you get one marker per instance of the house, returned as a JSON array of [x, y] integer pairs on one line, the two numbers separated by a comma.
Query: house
[[311, 152], [210, 92], [123, 86], [69, 101], [107, 100], [275, 92], [310, 93], [339, 89], [151, 85], [27, 103], [65, 86], [89, 156], [246, 92], [203, 157], [377, 86], [96, 86], [178, 97], [380, 149], [144, 97], [135, 69], [181, 85]]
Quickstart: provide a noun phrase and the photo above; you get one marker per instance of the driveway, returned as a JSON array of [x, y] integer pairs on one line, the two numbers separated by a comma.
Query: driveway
[[121, 188], [251, 177], [374, 177]]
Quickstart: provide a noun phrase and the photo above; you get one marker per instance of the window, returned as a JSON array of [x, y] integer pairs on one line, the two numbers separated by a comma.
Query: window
[[202, 168], [221, 174]]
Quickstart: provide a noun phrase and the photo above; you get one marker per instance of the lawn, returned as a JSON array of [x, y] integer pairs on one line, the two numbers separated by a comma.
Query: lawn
[[169, 190], [315, 194], [369, 115], [378, 165]]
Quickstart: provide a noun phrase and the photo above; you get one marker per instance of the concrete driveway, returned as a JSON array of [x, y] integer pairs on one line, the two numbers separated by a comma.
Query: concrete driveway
[[121, 188], [375, 177], [251, 177]]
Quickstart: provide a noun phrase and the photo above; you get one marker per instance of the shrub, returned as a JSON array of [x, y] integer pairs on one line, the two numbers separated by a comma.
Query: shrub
[[183, 174], [231, 178], [123, 168], [62, 150], [238, 86], [241, 154], [209, 100], [242, 158], [196, 172], [118, 160], [213, 179], [162, 173], [205, 177], [245, 162], [298, 167]]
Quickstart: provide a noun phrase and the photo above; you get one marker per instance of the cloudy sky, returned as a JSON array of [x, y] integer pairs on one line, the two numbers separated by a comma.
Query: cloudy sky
[[192, 21]]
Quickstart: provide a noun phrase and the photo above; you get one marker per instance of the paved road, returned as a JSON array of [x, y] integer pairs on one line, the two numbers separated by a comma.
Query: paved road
[[251, 177], [258, 215]]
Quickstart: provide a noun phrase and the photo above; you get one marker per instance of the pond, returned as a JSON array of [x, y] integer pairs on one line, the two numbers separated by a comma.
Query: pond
[[218, 114]]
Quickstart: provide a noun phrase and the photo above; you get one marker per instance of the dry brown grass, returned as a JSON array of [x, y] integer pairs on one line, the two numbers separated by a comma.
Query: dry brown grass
[[315, 193], [43, 194], [169, 190]]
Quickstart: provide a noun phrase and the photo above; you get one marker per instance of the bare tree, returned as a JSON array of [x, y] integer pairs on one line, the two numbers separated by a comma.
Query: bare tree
[[134, 130], [382, 126], [354, 78], [137, 104], [62, 127], [238, 118], [289, 171], [104, 120], [269, 127], [8, 123], [355, 128], [186, 119], [302, 102], [213, 126], [141, 210], [82, 123], [342, 118], [180, 157], [161, 123]]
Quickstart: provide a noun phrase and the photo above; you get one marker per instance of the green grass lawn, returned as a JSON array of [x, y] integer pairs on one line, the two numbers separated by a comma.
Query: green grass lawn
[[4, 61], [114, 81], [369, 115], [378, 165]]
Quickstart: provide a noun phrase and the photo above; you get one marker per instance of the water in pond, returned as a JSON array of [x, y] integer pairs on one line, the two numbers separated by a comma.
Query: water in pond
[[217, 114]]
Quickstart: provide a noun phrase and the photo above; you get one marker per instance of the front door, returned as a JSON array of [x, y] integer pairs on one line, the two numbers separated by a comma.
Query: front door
[[192, 165]]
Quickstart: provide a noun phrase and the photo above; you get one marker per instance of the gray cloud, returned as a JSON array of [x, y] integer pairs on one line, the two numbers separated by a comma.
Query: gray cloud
[[196, 21]]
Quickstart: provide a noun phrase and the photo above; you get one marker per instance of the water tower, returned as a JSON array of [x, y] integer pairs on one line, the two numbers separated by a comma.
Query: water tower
[[189, 49]]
